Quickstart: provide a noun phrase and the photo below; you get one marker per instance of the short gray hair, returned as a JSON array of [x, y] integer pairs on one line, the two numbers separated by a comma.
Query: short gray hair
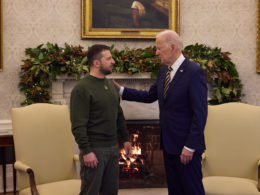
[[171, 37]]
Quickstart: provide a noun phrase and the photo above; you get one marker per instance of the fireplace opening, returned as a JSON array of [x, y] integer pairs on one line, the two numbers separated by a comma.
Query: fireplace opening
[[133, 166], [145, 167]]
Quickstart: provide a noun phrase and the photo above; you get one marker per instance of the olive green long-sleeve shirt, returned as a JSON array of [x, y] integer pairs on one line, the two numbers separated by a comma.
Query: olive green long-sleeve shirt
[[96, 115]]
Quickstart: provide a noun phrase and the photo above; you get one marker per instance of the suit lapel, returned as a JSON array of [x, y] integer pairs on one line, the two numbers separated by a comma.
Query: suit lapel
[[177, 77]]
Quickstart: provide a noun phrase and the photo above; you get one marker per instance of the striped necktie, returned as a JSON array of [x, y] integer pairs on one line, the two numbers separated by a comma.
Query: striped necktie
[[167, 81]]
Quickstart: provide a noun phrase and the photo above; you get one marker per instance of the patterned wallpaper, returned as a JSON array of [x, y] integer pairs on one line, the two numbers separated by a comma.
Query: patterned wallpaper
[[229, 24]]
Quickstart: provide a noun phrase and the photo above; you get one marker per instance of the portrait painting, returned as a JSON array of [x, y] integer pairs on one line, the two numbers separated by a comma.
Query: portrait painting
[[1, 35], [128, 18], [258, 39]]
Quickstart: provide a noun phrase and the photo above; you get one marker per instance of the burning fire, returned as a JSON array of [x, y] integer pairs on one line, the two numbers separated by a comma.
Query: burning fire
[[136, 150], [132, 163]]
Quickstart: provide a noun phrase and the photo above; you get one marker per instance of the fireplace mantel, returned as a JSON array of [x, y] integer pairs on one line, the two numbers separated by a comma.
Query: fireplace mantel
[[61, 90]]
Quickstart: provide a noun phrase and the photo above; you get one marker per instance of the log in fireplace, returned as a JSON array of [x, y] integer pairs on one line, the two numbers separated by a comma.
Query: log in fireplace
[[145, 167]]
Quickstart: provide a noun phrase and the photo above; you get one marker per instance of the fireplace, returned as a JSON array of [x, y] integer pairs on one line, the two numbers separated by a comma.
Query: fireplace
[[145, 167]]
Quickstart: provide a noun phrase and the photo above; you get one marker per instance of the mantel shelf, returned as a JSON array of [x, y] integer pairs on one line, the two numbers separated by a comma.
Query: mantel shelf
[[115, 75], [145, 75]]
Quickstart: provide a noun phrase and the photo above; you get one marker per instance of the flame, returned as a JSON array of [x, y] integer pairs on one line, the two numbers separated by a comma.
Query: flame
[[136, 151], [135, 137]]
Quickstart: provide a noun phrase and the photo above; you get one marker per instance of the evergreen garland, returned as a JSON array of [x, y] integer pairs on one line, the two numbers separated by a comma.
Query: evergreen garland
[[43, 65]]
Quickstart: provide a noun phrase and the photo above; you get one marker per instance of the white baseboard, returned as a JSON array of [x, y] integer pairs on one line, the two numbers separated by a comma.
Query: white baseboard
[[9, 178]]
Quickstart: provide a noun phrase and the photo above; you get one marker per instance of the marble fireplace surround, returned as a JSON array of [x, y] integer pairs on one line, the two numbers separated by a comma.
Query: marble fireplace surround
[[61, 90]]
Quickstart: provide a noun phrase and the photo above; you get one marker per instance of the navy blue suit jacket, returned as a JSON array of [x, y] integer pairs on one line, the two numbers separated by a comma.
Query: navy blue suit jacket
[[183, 112]]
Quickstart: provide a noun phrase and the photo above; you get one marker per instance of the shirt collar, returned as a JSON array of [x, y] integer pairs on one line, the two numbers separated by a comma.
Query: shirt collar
[[178, 63]]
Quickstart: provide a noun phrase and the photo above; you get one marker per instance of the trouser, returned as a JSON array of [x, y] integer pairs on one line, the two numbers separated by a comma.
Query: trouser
[[102, 180], [184, 179]]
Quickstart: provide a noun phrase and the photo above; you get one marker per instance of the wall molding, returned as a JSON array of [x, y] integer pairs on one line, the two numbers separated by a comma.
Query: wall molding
[[5, 127]]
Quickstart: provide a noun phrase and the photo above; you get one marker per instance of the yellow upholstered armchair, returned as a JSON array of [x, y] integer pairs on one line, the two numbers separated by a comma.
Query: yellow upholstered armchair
[[232, 158], [44, 150]]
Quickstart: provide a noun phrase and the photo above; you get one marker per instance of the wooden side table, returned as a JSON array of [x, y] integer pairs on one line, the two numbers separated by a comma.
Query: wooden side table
[[7, 141]]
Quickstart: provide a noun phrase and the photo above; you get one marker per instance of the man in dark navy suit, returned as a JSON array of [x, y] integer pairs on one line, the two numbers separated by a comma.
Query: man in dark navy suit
[[181, 91]]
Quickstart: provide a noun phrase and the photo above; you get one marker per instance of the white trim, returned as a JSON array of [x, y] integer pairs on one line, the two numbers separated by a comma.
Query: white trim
[[113, 75], [144, 75], [6, 127]]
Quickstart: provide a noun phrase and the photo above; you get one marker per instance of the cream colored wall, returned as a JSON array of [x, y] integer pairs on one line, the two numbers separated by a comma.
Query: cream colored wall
[[229, 24]]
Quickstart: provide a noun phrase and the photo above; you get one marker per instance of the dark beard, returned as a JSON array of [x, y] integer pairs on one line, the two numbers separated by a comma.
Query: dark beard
[[104, 71]]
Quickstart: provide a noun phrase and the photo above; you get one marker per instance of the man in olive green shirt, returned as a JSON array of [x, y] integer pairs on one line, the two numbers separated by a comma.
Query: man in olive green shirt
[[97, 119]]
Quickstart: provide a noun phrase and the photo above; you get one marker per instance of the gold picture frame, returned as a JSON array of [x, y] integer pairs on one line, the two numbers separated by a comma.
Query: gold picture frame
[[258, 39], [119, 19], [1, 35]]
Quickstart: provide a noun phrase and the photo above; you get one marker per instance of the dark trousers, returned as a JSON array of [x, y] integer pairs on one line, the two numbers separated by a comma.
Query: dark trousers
[[183, 179], [102, 180]]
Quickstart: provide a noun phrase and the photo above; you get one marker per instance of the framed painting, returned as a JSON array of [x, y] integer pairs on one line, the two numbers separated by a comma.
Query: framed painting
[[258, 39], [141, 19], [1, 35]]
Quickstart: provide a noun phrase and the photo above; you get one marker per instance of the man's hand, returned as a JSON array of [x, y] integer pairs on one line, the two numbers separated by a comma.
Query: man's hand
[[186, 156], [90, 160], [140, 7], [128, 148], [116, 84]]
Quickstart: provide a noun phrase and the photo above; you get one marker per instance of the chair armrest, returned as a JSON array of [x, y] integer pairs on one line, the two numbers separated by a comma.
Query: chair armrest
[[258, 176], [25, 168], [76, 157], [21, 166], [203, 156]]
